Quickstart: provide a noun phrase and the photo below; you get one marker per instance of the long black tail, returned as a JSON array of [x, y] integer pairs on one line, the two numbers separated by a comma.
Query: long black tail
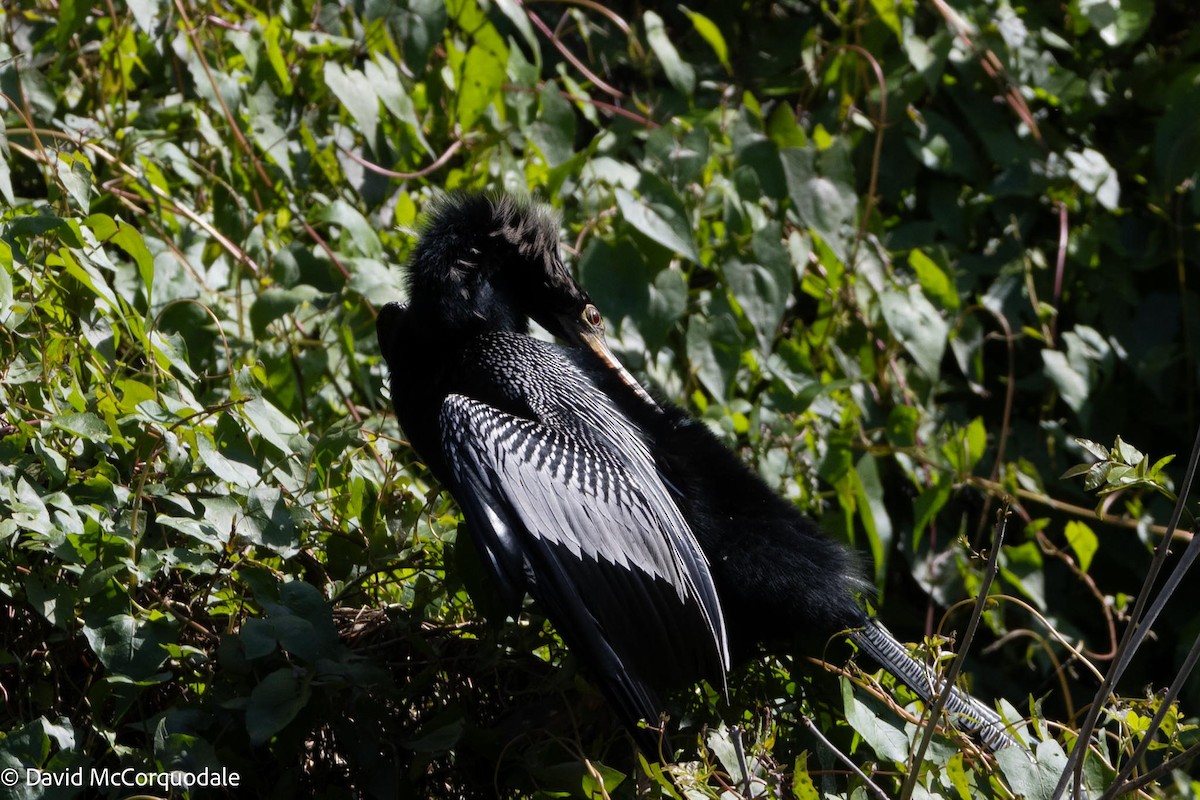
[[965, 712]]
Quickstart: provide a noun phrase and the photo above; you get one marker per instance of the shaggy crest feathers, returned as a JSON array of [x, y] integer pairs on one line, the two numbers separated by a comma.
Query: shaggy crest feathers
[[472, 237]]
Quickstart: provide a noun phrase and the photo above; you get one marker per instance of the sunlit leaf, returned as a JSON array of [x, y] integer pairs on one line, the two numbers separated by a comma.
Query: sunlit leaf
[[679, 72]]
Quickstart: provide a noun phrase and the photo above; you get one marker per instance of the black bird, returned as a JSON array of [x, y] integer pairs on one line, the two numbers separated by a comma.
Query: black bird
[[657, 554]]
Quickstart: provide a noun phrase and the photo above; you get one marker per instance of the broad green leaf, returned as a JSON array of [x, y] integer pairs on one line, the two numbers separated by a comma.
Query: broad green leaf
[[389, 84], [1083, 541], [759, 295], [662, 218], [227, 469], [714, 348], [888, 13], [85, 272], [554, 130], [85, 425], [271, 35], [274, 703], [958, 776], [6, 189], [1127, 452], [1022, 565], [873, 513], [357, 94], [916, 324], [130, 240], [268, 134], [72, 14], [883, 734], [1072, 387], [935, 283], [1091, 170], [6, 287], [821, 192], [129, 647], [709, 31], [517, 16], [75, 173], [803, 786], [929, 502], [273, 304], [481, 77], [679, 72], [1033, 779], [1118, 22]]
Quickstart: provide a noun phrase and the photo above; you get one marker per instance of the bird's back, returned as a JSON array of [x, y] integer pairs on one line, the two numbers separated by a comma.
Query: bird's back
[[564, 501]]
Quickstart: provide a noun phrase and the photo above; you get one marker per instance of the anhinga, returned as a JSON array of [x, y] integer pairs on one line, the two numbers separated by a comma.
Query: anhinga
[[657, 554]]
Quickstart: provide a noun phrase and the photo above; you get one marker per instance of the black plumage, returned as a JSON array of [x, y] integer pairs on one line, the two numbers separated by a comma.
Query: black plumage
[[652, 548]]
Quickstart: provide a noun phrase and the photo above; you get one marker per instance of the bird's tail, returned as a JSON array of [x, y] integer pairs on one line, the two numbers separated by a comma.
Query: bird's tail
[[965, 712]]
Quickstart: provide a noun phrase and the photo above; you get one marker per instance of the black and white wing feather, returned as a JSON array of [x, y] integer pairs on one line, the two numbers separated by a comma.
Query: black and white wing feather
[[593, 534]]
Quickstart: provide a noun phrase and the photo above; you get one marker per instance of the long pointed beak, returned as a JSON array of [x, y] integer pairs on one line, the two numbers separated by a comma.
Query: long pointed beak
[[599, 345]]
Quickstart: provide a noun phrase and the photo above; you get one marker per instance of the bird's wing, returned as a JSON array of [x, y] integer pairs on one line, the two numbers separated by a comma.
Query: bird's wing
[[599, 542]]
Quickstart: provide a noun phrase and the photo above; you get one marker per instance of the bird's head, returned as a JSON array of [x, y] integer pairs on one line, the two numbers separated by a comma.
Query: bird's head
[[488, 264]]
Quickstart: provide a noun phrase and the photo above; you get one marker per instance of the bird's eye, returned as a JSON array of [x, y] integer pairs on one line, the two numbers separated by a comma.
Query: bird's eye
[[591, 316]]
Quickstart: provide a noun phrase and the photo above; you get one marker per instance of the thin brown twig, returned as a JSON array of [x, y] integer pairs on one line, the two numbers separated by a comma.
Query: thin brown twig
[[1060, 264], [571, 57], [1079, 511], [993, 67], [1049, 548], [421, 173], [870, 784], [600, 104], [243, 142]]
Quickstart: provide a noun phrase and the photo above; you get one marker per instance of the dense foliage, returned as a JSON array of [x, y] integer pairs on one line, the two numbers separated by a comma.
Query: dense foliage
[[899, 254]]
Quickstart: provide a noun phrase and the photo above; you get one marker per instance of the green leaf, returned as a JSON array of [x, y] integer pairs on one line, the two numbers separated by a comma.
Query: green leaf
[[916, 324], [6, 188], [709, 31], [803, 787], [958, 776], [274, 703], [935, 283], [272, 304], [86, 425], [1033, 779], [1091, 170], [227, 469], [1118, 22], [759, 295], [74, 171], [873, 513], [481, 77], [520, 20], [880, 732], [679, 72], [357, 94], [1072, 387], [71, 16], [888, 14], [661, 217], [1127, 452], [554, 130], [901, 426], [928, 503], [271, 35], [714, 348], [85, 272], [1083, 541], [1098, 450], [129, 239], [822, 192]]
